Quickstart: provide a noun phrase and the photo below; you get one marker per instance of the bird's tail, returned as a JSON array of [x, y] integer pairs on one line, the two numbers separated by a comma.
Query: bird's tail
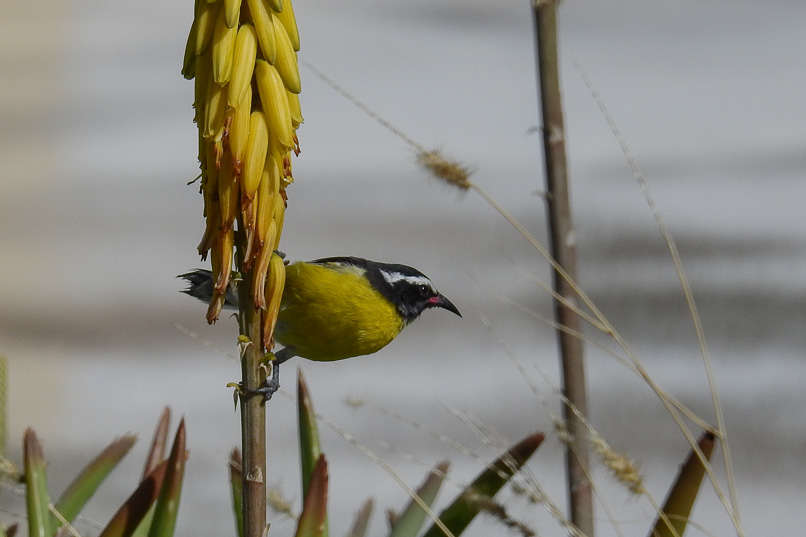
[[201, 283]]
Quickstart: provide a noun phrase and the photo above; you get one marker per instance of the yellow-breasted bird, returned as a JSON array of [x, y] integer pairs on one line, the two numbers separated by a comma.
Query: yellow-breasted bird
[[338, 307]]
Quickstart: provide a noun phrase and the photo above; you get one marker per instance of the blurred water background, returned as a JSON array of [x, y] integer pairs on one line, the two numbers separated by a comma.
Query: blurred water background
[[97, 146]]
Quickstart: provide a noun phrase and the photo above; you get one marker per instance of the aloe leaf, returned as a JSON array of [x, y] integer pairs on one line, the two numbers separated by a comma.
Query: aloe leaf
[[156, 453], [313, 517], [680, 501], [310, 449], [411, 519], [361, 521], [167, 505], [87, 482], [144, 526], [464, 509], [36, 487], [137, 506], [236, 484]]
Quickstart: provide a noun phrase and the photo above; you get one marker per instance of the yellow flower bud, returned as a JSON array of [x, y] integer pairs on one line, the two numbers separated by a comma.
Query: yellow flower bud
[[264, 29], [274, 99]]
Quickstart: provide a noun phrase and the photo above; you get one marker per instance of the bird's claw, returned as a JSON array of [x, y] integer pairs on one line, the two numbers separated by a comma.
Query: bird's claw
[[267, 389]]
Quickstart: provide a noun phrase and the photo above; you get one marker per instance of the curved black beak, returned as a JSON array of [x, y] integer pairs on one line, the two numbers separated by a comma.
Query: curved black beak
[[440, 301]]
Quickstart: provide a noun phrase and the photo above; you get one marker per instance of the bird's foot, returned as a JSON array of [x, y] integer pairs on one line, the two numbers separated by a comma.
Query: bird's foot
[[268, 388]]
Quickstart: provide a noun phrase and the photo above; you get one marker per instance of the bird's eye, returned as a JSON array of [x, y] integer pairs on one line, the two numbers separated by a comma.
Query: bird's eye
[[424, 290]]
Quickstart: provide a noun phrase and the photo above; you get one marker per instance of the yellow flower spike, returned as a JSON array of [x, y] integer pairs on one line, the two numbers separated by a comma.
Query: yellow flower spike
[[244, 156], [215, 110], [205, 20], [223, 47], [238, 132], [227, 193], [294, 108], [262, 266], [232, 10], [289, 21], [243, 64], [286, 63], [264, 29], [255, 157], [274, 99], [274, 295]]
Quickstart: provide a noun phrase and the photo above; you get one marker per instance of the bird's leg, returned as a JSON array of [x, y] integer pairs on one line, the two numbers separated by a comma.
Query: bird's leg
[[270, 386]]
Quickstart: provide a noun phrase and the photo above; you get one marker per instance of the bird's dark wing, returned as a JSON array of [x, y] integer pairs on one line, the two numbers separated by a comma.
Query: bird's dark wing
[[348, 260]]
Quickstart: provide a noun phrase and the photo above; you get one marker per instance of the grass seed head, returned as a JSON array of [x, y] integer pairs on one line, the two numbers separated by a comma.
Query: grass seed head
[[444, 169]]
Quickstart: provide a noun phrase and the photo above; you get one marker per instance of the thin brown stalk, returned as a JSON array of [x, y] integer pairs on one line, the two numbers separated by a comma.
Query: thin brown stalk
[[253, 416], [563, 250]]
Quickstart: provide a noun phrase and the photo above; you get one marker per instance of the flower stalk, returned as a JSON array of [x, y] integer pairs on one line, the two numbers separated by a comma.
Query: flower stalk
[[242, 56]]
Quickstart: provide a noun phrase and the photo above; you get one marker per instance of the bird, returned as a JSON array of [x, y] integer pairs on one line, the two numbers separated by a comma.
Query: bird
[[336, 308]]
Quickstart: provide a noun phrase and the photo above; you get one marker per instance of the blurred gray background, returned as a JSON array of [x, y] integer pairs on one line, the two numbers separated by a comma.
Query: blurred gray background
[[97, 146]]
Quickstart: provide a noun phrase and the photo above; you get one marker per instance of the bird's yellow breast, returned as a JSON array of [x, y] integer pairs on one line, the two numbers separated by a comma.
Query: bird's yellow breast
[[331, 312]]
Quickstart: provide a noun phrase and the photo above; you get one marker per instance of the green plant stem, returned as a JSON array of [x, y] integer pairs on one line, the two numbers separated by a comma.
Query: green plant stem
[[563, 249], [253, 416]]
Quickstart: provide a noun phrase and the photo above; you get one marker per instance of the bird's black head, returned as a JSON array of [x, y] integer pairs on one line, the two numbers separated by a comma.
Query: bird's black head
[[407, 288]]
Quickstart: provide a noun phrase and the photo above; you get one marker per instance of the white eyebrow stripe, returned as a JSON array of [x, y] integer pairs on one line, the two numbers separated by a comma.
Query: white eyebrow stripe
[[394, 277]]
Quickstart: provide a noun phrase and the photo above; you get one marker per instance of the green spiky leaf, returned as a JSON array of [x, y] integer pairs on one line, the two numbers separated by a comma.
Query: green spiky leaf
[[680, 501], [411, 519], [314, 509], [167, 505], [131, 514], [36, 487], [464, 509], [156, 452], [87, 482], [310, 449]]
